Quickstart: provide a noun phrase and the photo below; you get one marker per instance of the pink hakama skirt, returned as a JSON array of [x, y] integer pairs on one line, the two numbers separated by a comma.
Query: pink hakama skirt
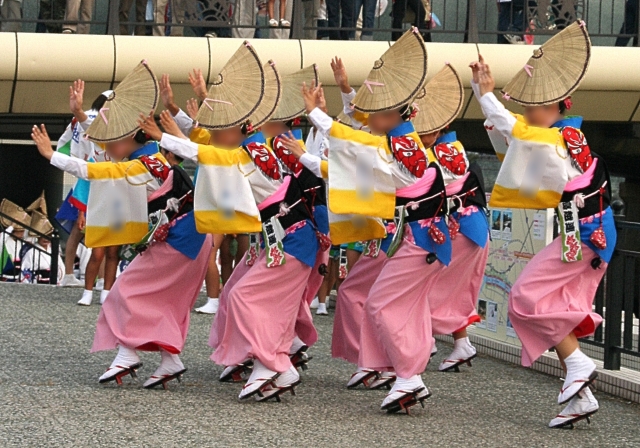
[[396, 328], [353, 292], [551, 299], [305, 329], [454, 294], [261, 314], [149, 306], [220, 319]]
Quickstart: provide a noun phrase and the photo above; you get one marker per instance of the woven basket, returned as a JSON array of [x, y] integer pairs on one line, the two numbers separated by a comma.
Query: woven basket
[[440, 102], [236, 93], [292, 105], [16, 212], [396, 78], [272, 96], [137, 94], [555, 70]]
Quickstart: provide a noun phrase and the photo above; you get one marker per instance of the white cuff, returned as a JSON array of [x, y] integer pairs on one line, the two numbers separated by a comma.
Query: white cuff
[[312, 163], [180, 147], [184, 122], [72, 165], [321, 121]]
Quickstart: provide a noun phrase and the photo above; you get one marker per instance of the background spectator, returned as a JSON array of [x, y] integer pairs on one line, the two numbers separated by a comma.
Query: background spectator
[[51, 10], [511, 20], [10, 10], [422, 17], [169, 12], [341, 14], [125, 10], [630, 24], [78, 10], [244, 13]]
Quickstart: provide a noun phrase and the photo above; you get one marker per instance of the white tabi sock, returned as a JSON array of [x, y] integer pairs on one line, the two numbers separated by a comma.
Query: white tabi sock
[[103, 295]]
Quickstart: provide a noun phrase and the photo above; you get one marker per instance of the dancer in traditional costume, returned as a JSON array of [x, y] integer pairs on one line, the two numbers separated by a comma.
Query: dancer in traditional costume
[[149, 306], [454, 294], [547, 163], [243, 190]]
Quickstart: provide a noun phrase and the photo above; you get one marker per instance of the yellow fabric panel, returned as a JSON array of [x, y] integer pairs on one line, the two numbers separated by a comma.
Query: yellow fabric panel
[[324, 169], [342, 232], [119, 170], [502, 197], [210, 155], [131, 232], [522, 131], [343, 132], [212, 221], [346, 201], [500, 157], [200, 136]]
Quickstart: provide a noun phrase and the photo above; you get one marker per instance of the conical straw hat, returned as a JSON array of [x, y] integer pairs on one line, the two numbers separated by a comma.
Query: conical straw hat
[[292, 104], [440, 102], [272, 96], [40, 223], [555, 70], [396, 78], [236, 93], [16, 212], [136, 94], [39, 204]]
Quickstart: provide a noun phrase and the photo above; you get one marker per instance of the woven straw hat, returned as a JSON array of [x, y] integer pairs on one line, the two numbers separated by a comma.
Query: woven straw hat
[[236, 93], [16, 212], [137, 94], [396, 78], [440, 102], [272, 96], [40, 223], [293, 104], [39, 204], [555, 70]]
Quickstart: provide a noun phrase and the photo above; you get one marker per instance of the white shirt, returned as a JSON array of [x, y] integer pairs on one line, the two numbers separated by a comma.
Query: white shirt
[[40, 260]]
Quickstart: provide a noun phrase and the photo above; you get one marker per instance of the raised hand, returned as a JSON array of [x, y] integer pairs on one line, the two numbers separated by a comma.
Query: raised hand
[[482, 75], [321, 102], [170, 126], [148, 124], [76, 98], [166, 93], [41, 138], [340, 75], [192, 108], [293, 145], [198, 84], [310, 95]]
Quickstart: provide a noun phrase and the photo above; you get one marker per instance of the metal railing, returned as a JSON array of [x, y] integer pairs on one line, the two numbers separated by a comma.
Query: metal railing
[[16, 273], [618, 302], [609, 21]]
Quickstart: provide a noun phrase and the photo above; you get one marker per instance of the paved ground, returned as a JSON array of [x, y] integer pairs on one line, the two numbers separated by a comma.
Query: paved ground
[[49, 396]]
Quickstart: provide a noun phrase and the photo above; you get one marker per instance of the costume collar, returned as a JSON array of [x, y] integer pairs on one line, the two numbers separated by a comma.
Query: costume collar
[[406, 127], [449, 137], [149, 149], [573, 121], [258, 137]]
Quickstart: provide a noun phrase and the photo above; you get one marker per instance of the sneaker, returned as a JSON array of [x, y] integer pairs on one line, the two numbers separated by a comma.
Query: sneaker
[[514, 39], [211, 307], [70, 281], [322, 310], [582, 406], [99, 285], [314, 303]]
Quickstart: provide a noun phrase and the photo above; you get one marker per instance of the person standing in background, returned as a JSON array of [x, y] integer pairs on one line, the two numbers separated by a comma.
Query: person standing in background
[[10, 10], [629, 26], [244, 13], [160, 17], [341, 14], [511, 19], [78, 11], [125, 9]]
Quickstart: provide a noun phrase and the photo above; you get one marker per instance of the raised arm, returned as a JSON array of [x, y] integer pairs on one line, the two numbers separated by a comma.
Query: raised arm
[[342, 80], [76, 99], [71, 165], [320, 120]]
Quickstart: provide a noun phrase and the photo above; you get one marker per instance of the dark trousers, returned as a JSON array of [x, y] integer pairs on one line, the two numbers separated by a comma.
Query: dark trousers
[[510, 18], [336, 9], [630, 24], [398, 12]]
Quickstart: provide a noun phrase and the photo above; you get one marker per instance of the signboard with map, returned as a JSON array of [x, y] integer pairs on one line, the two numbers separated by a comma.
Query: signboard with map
[[516, 236]]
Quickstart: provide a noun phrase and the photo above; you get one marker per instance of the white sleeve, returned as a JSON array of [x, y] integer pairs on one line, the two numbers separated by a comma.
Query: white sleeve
[[346, 101], [71, 165], [180, 147], [184, 122], [499, 117], [86, 123], [312, 163], [321, 121]]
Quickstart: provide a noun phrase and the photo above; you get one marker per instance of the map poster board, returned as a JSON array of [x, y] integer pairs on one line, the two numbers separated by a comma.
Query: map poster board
[[516, 236]]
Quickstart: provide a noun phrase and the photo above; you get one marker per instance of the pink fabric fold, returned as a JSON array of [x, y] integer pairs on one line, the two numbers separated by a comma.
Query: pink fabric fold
[[583, 180], [420, 187], [276, 197]]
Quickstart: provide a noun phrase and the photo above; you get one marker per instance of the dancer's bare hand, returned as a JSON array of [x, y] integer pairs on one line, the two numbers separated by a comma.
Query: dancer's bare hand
[[41, 138], [198, 84]]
